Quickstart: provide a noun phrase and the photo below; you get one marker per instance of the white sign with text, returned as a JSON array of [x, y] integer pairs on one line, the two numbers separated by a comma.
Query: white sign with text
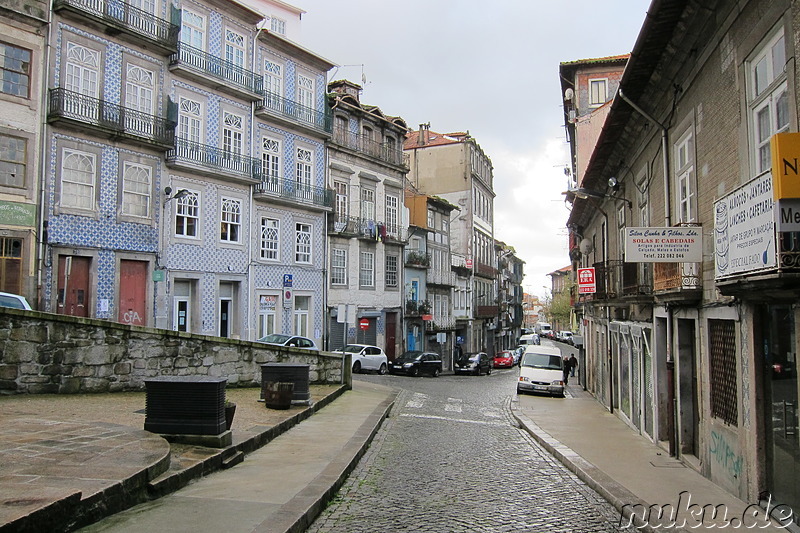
[[664, 245]]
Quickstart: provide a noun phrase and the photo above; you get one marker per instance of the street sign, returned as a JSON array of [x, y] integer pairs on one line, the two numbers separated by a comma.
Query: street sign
[[287, 298], [469, 263], [363, 323], [287, 280], [586, 282]]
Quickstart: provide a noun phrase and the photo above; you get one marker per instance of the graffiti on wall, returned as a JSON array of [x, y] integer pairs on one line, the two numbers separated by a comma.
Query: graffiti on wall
[[726, 456]]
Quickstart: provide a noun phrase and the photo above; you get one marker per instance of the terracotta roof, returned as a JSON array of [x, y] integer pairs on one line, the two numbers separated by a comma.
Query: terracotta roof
[[608, 59], [433, 139]]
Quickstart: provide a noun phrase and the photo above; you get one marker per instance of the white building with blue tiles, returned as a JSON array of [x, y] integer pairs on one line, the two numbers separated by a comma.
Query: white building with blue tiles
[[186, 174]]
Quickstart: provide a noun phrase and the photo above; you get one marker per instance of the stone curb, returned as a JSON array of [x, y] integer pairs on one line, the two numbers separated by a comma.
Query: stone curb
[[617, 495]]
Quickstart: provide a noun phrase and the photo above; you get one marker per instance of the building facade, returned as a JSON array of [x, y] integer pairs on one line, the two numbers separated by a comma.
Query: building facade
[[368, 228], [699, 355]]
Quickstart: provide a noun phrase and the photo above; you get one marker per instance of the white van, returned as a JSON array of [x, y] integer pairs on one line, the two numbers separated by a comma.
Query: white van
[[541, 369], [531, 338]]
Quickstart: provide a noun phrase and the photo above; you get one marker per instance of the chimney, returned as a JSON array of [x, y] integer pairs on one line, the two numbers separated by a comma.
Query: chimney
[[422, 138]]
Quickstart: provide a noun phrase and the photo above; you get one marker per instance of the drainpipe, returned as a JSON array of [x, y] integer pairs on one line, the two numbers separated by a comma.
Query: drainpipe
[[43, 171], [672, 400]]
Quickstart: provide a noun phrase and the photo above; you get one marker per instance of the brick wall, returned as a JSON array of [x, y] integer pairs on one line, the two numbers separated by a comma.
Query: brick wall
[[47, 353]]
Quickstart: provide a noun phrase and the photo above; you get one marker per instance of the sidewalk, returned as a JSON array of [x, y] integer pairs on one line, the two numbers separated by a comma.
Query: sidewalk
[[66, 461], [628, 470]]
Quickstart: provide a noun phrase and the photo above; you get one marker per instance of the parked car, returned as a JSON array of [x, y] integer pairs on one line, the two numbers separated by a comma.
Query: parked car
[[530, 338], [289, 340], [415, 362], [14, 301], [476, 363], [564, 336], [367, 357], [541, 370], [503, 359], [517, 353]]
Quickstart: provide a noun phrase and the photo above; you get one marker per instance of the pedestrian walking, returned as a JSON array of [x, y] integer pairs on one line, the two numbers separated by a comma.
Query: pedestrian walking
[[573, 364], [567, 366]]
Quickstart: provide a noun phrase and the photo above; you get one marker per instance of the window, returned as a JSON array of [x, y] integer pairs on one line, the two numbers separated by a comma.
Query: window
[[266, 314], [187, 215], [392, 210], [82, 70], [232, 133], [193, 29], [13, 155], [305, 91], [341, 199], [302, 304], [78, 171], [277, 25], [230, 220], [431, 219], [722, 358], [11, 265], [304, 173], [684, 176], [391, 271], [302, 243], [139, 87], [137, 183], [234, 48], [15, 70], [190, 119], [338, 266], [598, 92], [768, 98], [271, 159], [273, 79], [368, 204], [270, 239], [366, 277]]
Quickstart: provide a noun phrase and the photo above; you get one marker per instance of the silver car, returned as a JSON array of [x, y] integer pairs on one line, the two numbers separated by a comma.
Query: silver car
[[367, 357]]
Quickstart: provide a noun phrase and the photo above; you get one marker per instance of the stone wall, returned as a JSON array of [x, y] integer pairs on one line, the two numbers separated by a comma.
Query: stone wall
[[48, 353]]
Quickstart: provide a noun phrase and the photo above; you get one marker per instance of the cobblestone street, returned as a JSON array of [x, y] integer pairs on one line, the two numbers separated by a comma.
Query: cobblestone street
[[450, 459]]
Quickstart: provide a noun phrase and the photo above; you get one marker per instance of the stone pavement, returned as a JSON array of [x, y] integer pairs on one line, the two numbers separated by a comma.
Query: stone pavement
[[70, 460], [630, 471]]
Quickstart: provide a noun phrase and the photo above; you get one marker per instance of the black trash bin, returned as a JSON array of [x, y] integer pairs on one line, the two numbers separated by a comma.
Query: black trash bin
[[296, 374], [278, 395]]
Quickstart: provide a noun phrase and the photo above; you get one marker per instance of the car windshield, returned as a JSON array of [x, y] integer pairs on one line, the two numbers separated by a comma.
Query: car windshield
[[8, 301], [352, 348], [474, 356], [410, 355], [538, 360], [275, 338]]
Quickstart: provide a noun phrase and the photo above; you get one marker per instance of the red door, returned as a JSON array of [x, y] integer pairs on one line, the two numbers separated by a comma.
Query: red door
[[73, 285], [391, 335], [132, 292]]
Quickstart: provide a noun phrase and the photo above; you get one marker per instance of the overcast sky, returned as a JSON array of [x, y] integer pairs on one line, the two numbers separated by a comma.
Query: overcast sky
[[490, 68]]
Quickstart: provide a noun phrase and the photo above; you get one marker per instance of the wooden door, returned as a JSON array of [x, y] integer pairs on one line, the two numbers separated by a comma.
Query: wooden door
[[132, 292], [391, 335], [73, 285]]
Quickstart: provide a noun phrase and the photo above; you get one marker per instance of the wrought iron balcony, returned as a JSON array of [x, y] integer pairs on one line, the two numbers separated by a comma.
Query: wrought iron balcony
[[293, 192], [112, 120], [676, 277], [637, 279], [440, 324], [417, 307], [487, 271], [365, 228], [344, 226], [417, 258], [439, 277], [119, 17], [293, 113], [486, 311], [388, 152], [213, 161], [217, 73]]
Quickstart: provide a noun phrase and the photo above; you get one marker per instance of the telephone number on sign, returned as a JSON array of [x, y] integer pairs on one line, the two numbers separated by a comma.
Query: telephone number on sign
[[663, 256]]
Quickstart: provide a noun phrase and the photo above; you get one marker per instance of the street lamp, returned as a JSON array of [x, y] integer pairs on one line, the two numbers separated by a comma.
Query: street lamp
[[587, 194]]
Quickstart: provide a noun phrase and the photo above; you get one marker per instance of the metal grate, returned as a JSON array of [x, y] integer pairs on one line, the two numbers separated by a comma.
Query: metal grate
[[723, 370]]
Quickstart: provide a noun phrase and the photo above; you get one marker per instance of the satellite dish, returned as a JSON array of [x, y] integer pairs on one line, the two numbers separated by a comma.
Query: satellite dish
[[586, 246], [569, 94]]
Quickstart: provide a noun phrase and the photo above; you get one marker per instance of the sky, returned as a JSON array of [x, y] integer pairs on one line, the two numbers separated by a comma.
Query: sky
[[490, 68]]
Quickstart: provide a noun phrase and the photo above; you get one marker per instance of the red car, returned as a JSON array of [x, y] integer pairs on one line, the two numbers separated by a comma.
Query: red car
[[504, 359]]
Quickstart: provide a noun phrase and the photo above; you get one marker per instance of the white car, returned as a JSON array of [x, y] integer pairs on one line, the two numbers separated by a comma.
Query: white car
[[295, 341], [14, 301], [367, 357]]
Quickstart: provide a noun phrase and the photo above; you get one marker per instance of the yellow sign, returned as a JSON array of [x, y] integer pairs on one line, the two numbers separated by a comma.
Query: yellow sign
[[786, 165]]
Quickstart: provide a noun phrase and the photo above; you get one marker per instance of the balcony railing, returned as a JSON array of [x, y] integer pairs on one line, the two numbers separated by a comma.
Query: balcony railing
[[297, 113], [789, 251], [637, 279], [675, 276], [213, 160], [417, 258], [295, 191], [125, 18], [486, 311], [233, 77], [440, 324], [110, 119], [366, 228], [482, 269], [418, 307], [439, 277], [389, 152]]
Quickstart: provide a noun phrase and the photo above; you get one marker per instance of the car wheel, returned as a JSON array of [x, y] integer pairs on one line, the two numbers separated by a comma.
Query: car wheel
[[414, 372], [356, 367], [382, 369], [489, 371], [436, 372]]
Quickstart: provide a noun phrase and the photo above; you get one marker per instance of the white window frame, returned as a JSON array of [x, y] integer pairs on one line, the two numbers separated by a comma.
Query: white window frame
[[139, 89], [187, 209], [137, 188], [304, 172], [277, 25], [303, 243], [391, 276], [302, 315], [366, 270], [305, 91], [598, 91], [267, 314], [78, 181], [368, 203], [232, 133], [339, 266], [768, 98], [392, 213], [13, 161], [270, 239], [271, 159], [190, 120], [235, 48], [193, 29], [230, 220], [685, 186], [82, 70], [273, 78]]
